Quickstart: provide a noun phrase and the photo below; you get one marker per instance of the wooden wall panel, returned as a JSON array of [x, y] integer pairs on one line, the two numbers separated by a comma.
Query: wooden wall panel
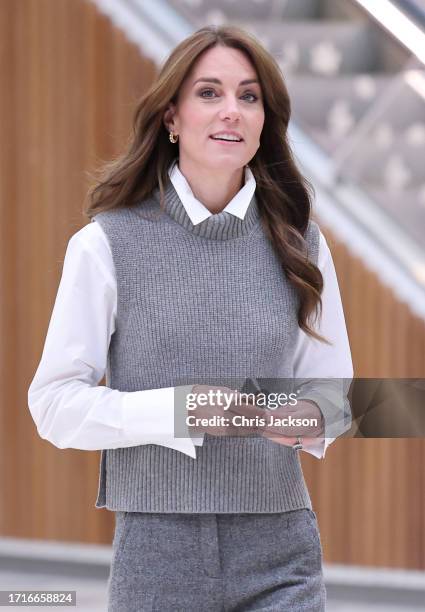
[[70, 83], [370, 493]]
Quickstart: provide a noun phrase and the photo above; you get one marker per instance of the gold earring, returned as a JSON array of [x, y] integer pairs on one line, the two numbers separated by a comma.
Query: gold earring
[[173, 138]]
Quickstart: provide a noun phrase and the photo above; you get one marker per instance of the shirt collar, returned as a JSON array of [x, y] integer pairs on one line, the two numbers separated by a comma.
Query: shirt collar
[[196, 211]]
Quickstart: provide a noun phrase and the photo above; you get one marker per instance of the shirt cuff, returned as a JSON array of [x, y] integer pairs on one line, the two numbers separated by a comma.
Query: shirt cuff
[[317, 448], [148, 418], [331, 399]]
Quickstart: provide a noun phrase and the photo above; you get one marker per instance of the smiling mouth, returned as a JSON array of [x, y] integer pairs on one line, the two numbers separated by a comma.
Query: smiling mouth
[[223, 140]]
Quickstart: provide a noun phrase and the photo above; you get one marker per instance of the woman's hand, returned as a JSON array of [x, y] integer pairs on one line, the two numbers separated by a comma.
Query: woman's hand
[[218, 418], [287, 434]]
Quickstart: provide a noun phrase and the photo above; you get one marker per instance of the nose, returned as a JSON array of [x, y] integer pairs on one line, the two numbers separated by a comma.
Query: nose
[[230, 110]]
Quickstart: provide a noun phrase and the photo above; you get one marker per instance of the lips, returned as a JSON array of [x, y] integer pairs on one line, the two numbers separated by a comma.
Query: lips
[[226, 142], [216, 136]]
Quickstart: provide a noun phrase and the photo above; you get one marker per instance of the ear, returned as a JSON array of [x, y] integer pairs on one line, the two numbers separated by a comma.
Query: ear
[[169, 117]]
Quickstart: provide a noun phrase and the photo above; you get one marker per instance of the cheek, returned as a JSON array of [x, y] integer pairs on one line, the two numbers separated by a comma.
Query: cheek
[[195, 120], [257, 125]]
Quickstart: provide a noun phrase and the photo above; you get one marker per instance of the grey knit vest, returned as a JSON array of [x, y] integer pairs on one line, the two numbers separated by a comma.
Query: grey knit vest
[[195, 302]]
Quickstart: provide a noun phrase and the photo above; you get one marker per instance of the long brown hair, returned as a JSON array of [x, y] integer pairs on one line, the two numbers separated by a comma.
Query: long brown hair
[[283, 194]]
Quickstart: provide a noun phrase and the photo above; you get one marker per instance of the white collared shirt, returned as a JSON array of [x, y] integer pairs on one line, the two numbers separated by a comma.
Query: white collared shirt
[[66, 403], [196, 211]]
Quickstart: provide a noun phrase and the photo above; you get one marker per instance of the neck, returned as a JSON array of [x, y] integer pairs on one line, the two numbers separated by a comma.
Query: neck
[[213, 189], [219, 226]]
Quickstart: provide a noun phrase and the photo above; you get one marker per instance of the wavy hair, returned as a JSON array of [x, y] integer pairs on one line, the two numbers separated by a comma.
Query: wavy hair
[[283, 194]]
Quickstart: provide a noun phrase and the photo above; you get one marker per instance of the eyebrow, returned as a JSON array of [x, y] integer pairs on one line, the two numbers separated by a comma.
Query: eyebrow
[[214, 80]]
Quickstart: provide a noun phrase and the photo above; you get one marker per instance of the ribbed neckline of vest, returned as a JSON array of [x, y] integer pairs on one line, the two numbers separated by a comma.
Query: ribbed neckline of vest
[[219, 226]]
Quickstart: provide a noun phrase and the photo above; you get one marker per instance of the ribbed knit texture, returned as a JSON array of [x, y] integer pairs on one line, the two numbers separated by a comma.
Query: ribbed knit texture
[[199, 302]]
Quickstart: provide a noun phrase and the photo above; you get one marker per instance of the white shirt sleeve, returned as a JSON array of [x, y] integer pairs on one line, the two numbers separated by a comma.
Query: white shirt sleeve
[[315, 359], [67, 406]]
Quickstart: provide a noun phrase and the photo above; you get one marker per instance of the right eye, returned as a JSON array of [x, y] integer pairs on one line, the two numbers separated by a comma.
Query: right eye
[[206, 91]]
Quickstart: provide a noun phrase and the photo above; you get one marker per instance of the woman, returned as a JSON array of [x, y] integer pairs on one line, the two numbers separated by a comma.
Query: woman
[[199, 273]]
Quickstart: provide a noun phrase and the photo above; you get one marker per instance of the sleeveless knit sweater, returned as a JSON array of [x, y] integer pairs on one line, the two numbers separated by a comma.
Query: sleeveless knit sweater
[[199, 302]]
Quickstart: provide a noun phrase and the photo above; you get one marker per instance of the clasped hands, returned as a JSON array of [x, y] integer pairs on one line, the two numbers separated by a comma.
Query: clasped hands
[[258, 420]]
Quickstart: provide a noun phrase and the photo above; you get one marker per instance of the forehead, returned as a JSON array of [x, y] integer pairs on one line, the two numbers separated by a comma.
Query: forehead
[[223, 62]]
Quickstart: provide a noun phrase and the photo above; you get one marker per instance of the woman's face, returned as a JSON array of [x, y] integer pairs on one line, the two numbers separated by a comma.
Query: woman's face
[[220, 94]]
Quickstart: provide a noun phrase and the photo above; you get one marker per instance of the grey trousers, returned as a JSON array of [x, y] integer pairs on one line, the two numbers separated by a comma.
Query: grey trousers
[[216, 562]]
